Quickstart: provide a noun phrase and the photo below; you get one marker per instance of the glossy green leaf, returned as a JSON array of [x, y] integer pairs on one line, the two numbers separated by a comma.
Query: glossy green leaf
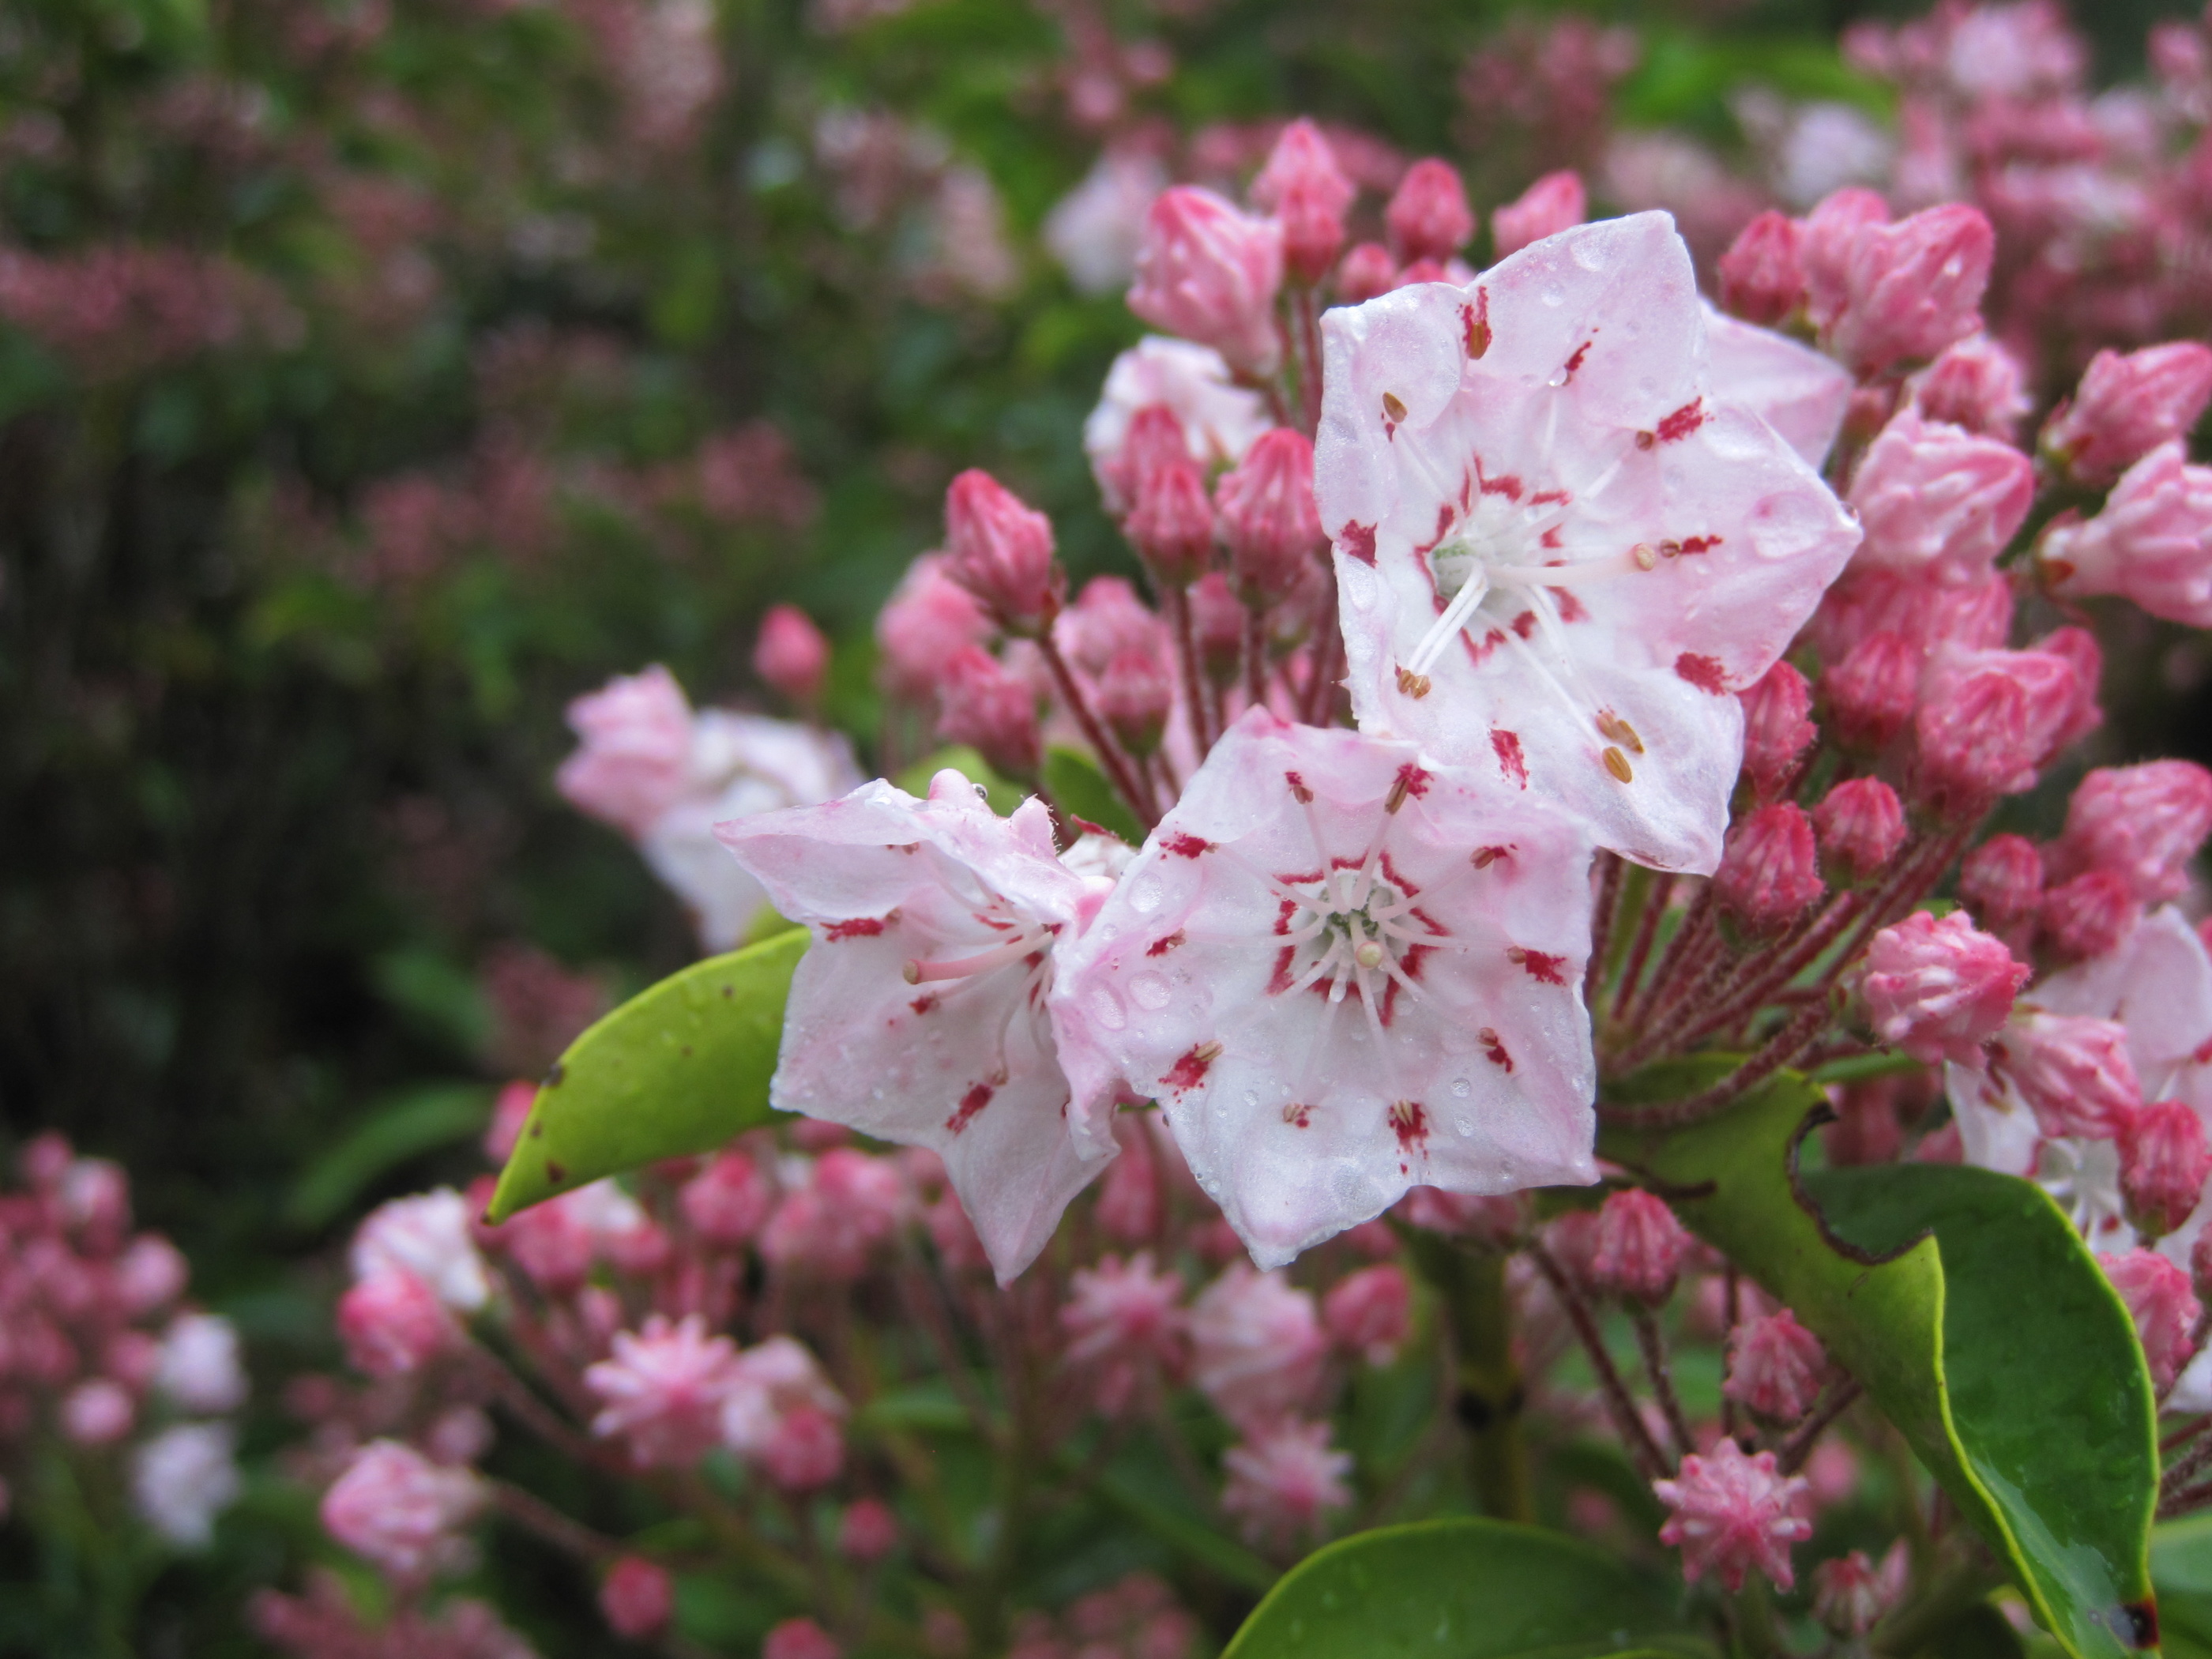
[[1003, 796], [1460, 1590], [396, 1128], [1079, 786], [1969, 1309], [676, 1070]]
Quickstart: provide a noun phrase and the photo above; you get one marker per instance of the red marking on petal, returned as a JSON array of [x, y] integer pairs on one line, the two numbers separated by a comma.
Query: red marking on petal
[[1550, 539], [1410, 1123], [1507, 747], [1541, 965], [1160, 947], [1703, 673], [1571, 608], [1683, 422], [1357, 541], [858, 928], [1434, 926], [1298, 787], [923, 1004], [1547, 498], [1525, 624], [1185, 846], [1494, 1051], [1445, 513], [1190, 1071], [1507, 484], [1298, 1117], [1390, 873], [1576, 361], [970, 1103], [1487, 856], [2203, 1054], [1475, 324], [1700, 543], [1279, 981]]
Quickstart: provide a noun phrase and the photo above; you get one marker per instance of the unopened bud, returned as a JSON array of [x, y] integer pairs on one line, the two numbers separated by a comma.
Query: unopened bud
[[1975, 384], [1636, 1247], [1171, 527], [791, 654], [992, 710], [1776, 729], [2144, 823], [2165, 1310], [2127, 406], [1267, 514], [2164, 1163], [1429, 217], [2003, 880], [1939, 988], [1775, 1366], [1861, 824], [868, 1532], [637, 1598], [1367, 270], [1554, 203], [1762, 276], [2073, 1072], [1850, 1594], [2152, 543], [1211, 273], [1305, 189], [1988, 723], [1001, 552], [1871, 692], [2089, 916], [1770, 871], [1134, 695], [1217, 616], [1369, 1313], [1882, 293], [391, 1324]]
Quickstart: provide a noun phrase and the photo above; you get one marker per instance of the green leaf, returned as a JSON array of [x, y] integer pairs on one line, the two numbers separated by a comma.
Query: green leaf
[[1003, 796], [1460, 1590], [398, 1127], [677, 1069], [1080, 787], [1971, 1311]]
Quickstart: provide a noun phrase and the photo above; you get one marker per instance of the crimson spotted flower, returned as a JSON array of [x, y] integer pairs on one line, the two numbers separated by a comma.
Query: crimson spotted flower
[[1563, 543], [1345, 973]]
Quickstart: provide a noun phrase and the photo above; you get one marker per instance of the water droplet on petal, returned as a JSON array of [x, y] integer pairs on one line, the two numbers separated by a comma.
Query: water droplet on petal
[[1462, 1087], [1150, 991]]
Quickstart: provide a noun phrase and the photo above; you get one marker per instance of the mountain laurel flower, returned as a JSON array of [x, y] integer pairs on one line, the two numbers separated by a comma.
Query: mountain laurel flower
[[1560, 550], [1733, 1512], [1369, 1313], [1218, 419], [2151, 544], [1762, 274], [780, 1411], [1211, 273], [1365, 270], [183, 1477], [868, 1531], [1873, 689], [800, 1639], [1977, 384], [1852, 1594], [1343, 974], [1307, 191], [634, 756], [727, 1201], [1126, 1325], [1860, 824], [391, 1323], [1636, 1247], [991, 708], [2073, 1071], [637, 1598], [2003, 880], [1554, 203], [1988, 722], [1939, 502], [2164, 1164], [662, 1389], [791, 655], [2163, 1306], [97, 1411], [1886, 293], [398, 1509], [1775, 1366], [1771, 872], [427, 1235], [924, 1013], [1001, 551], [2087, 916], [1940, 988], [1777, 731], [1257, 1345], [2144, 823], [200, 1371], [1269, 519], [1284, 1478], [1428, 215], [2126, 406]]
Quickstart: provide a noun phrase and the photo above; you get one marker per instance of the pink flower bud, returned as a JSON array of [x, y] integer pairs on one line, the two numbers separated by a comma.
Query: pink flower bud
[[150, 1273], [1554, 203], [791, 655], [1733, 1512], [800, 1639], [726, 1202], [807, 1451], [1134, 695], [1939, 503], [1987, 721], [398, 1508], [1305, 189], [1861, 824], [1975, 384], [2003, 880], [1284, 1478], [1884, 293], [1258, 1346], [1762, 275], [2164, 1163], [1369, 1313], [2143, 824], [1872, 691], [1209, 273], [2127, 406], [1171, 527], [662, 1390], [391, 1323], [97, 1412], [992, 710], [93, 1196], [2073, 1071], [1107, 619], [2089, 917], [2200, 1264], [2152, 543], [636, 734], [1852, 1594], [1216, 616], [1775, 1366], [1129, 1198], [510, 1112], [1776, 729], [1267, 514], [1429, 217], [928, 618], [1636, 1247], [1126, 1325], [1001, 551], [2079, 647], [868, 1531], [2164, 1309], [1770, 870], [1366, 271], [636, 1598], [1939, 988], [1156, 438]]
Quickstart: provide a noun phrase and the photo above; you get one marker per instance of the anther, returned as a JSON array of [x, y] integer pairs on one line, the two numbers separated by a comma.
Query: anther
[[1411, 684], [1610, 725], [1396, 799], [1617, 763], [912, 972], [1487, 856], [1393, 407], [1668, 549], [1645, 439], [1644, 557]]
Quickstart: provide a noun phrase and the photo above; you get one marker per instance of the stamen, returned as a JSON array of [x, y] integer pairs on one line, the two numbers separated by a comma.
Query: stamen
[[1617, 763], [1393, 407], [1448, 624], [1012, 950]]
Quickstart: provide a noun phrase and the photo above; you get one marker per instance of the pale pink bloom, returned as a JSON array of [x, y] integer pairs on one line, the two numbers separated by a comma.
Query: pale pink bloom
[[726, 1201], [1860, 824], [390, 1324], [1219, 419], [2073, 1071], [1801, 394], [149, 1274], [1987, 721], [2164, 1307], [2128, 406], [183, 1477], [1776, 1367], [835, 1214], [1938, 503], [427, 1235], [1268, 515], [636, 1598], [2003, 879], [200, 1372], [1210, 273], [1880, 293], [1850, 1594], [1873, 689], [635, 758], [399, 1509], [1636, 1247], [664, 1389], [1554, 203], [1343, 974], [2142, 823], [2151, 544], [1940, 988], [93, 1197], [1560, 550], [868, 1531], [1095, 229], [1762, 275], [2088, 916], [1771, 873], [928, 618], [921, 1014], [1777, 729], [791, 654], [1369, 1313], [1307, 191], [1733, 1513], [1428, 215], [1126, 1325], [2164, 1163], [1257, 1345], [800, 1639], [97, 1411], [1977, 383], [781, 1412], [1284, 1479]]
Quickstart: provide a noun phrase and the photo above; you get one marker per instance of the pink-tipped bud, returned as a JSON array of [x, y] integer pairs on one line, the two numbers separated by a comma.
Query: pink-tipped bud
[[1938, 503], [1861, 824], [1733, 1512], [807, 1451], [1763, 274], [1988, 722], [1211, 273], [1776, 729], [1367, 270], [728, 1202], [1852, 1594], [1872, 691], [2127, 406], [2164, 1163], [1770, 870], [1429, 217], [2163, 1307], [2089, 916], [1882, 293], [1975, 384], [800, 1639], [791, 655], [2079, 647], [868, 1531], [992, 710], [1307, 191], [1171, 527], [1554, 203], [2003, 880], [391, 1323], [1156, 438], [1001, 552], [1939, 988], [637, 1598], [2152, 543], [1217, 616], [2143, 824], [1775, 1366], [1422, 271], [2073, 1071], [928, 618], [1134, 695], [1269, 518], [1636, 1247], [97, 1412], [1369, 1313]]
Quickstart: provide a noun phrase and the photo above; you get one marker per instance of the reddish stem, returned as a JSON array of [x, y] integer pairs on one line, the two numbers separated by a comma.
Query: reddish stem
[[1177, 602], [1627, 1421], [1131, 785]]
